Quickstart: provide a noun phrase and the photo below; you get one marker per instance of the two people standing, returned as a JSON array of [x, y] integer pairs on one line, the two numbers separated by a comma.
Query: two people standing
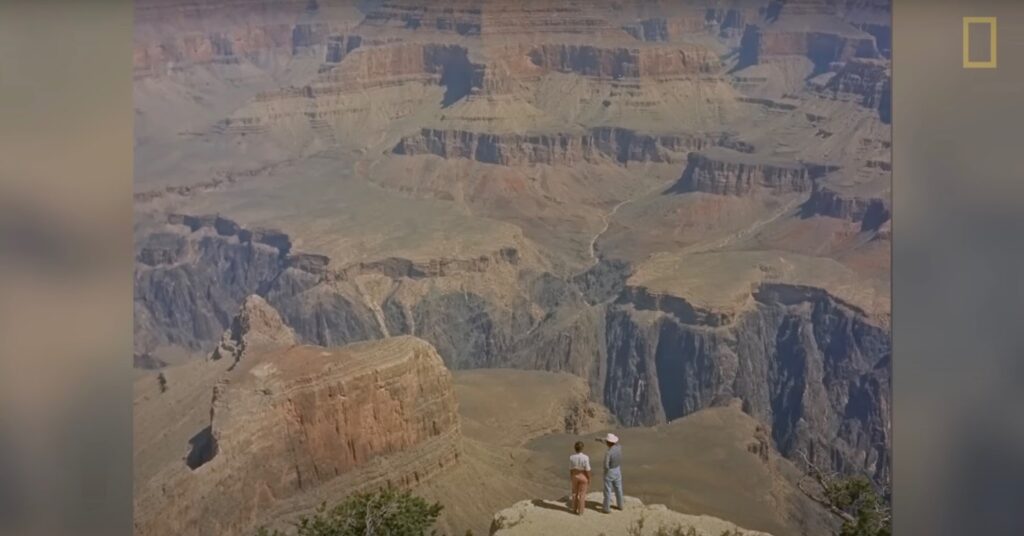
[[579, 474]]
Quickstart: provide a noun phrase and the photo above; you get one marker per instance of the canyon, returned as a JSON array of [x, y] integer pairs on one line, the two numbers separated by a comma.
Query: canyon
[[676, 207]]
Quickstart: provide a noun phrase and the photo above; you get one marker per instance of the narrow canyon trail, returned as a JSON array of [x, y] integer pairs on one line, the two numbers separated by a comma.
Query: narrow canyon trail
[[611, 214]]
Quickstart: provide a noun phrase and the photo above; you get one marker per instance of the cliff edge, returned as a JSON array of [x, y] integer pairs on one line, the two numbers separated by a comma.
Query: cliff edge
[[533, 517]]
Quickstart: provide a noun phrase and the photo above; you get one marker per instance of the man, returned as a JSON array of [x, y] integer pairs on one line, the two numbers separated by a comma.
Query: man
[[612, 472]]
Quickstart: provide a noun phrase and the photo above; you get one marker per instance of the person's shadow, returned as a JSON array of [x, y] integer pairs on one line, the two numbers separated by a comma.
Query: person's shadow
[[564, 505]]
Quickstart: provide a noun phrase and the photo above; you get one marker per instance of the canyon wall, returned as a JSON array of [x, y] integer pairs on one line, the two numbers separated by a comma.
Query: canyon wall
[[725, 173], [811, 366], [192, 276], [619, 145], [870, 212], [293, 424], [633, 62], [866, 81], [172, 35]]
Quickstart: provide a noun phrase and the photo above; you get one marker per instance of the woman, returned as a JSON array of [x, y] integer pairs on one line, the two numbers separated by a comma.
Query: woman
[[579, 475]]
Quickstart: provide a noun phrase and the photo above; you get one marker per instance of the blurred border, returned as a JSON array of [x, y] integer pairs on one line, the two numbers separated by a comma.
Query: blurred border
[[958, 260], [65, 267]]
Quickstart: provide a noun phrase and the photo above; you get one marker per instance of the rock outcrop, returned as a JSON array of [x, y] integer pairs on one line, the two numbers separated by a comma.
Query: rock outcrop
[[220, 32], [618, 145], [812, 367], [615, 63], [810, 29], [257, 327], [806, 350], [667, 28], [730, 173], [191, 274], [290, 427], [870, 212], [866, 81], [551, 517], [489, 18]]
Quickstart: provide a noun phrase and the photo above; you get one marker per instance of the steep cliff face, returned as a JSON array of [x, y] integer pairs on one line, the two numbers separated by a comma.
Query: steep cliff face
[[602, 62], [489, 18], [292, 425], [404, 77], [813, 368], [189, 280], [870, 212], [667, 28], [618, 145], [229, 32], [809, 29], [729, 173], [189, 277], [256, 327], [866, 81]]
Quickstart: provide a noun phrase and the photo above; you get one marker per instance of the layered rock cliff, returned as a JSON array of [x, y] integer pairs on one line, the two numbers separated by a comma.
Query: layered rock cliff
[[731, 173], [191, 274], [618, 145], [812, 29], [810, 366], [172, 35], [290, 426], [870, 212], [256, 327], [636, 62], [866, 81]]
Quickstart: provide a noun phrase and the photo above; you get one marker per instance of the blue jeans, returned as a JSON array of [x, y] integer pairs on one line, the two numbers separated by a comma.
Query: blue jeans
[[612, 481]]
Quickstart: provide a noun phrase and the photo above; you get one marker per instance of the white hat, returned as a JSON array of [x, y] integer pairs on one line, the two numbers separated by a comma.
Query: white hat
[[611, 438]]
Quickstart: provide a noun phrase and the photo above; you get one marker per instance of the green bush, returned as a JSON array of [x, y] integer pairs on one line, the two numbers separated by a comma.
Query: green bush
[[387, 512], [867, 513]]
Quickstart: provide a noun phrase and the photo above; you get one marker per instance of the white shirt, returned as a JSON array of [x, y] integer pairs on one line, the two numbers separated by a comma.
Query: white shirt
[[579, 461]]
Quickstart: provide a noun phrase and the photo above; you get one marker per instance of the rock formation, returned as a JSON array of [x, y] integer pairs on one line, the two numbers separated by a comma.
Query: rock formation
[[812, 30], [866, 81], [291, 426], [730, 173], [551, 517], [615, 144], [257, 327], [870, 212]]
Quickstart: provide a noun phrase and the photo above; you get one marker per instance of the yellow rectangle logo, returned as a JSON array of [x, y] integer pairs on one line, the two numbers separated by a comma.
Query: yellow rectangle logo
[[991, 62]]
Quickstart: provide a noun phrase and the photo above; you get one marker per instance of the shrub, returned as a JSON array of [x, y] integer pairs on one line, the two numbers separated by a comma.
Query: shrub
[[387, 512]]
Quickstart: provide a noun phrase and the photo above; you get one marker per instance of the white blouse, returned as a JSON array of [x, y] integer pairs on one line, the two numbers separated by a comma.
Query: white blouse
[[579, 461]]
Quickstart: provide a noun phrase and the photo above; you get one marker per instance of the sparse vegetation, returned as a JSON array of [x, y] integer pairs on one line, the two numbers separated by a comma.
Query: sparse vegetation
[[637, 529], [863, 509], [386, 512]]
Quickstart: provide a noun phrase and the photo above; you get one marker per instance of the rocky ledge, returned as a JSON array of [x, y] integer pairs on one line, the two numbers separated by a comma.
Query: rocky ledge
[[726, 172], [619, 145], [553, 517]]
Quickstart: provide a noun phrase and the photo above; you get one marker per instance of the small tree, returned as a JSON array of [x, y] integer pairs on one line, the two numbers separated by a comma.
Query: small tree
[[853, 499], [387, 512]]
